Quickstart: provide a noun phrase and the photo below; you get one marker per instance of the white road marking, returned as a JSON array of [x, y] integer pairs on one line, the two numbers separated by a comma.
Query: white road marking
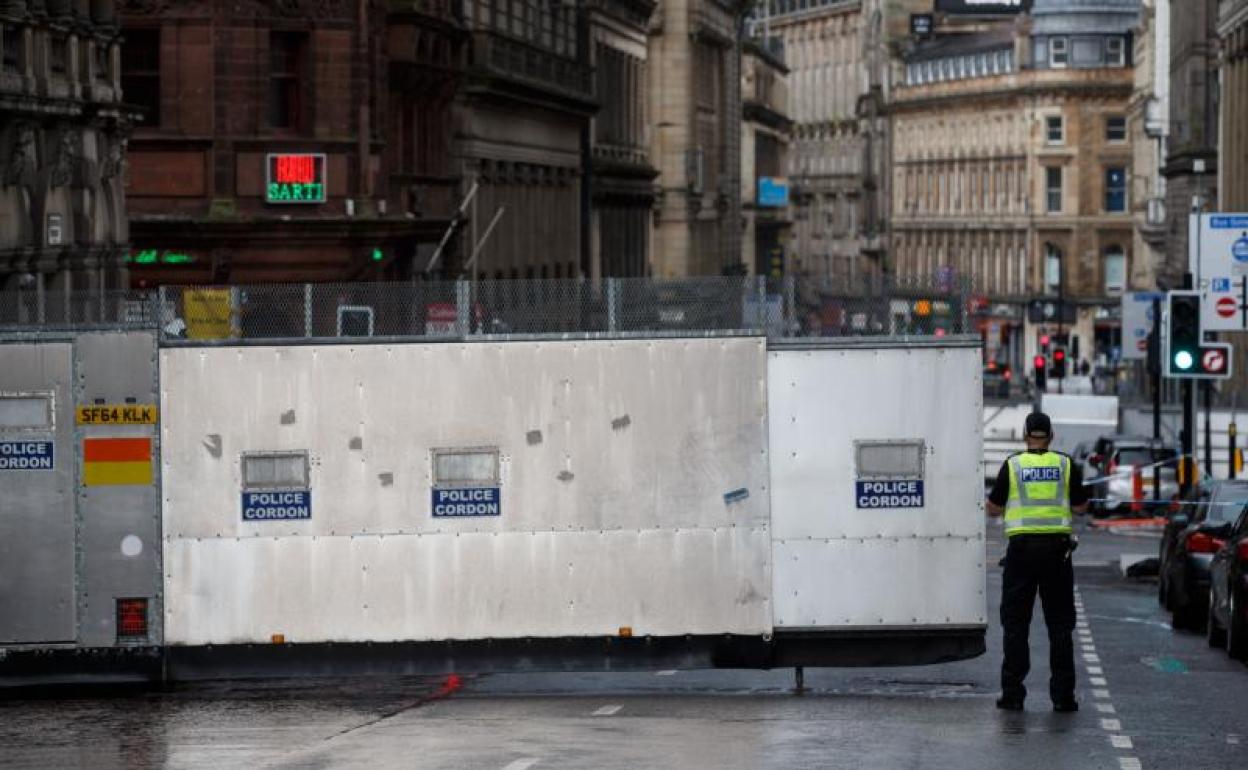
[[1089, 648], [1111, 725], [1129, 763], [522, 764], [1095, 670], [607, 711], [669, 672], [1232, 739], [1105, 708], [1098, 681], [1102, 694], [1091, 657], [1121, 741]]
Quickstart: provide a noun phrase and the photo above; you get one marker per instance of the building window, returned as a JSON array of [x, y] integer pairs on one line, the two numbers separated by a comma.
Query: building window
[[1059, 52], [58, 56], [1115, 270], [1053, 189], [140, 72], [1052, 269], [1116, 129], [1115, 189], [1115, 52], [14, 58], [286, 58], [100, 51], [1053, 129]]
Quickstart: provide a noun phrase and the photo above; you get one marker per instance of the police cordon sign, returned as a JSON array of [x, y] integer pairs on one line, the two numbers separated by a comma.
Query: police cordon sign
[[290, 505], [889, 494], [453, 502], [27, 456]]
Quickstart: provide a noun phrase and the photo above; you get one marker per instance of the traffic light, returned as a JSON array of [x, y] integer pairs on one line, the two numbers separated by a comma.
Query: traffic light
[[1059, 364], [1041, 374], [1183, 338]]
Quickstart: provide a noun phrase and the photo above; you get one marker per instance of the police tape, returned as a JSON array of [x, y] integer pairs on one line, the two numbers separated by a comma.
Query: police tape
[[1169, 502], [1131, 470]]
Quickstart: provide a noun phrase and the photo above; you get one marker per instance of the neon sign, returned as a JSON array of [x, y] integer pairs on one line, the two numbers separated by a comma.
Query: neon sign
[[295, 178], [158, 256]]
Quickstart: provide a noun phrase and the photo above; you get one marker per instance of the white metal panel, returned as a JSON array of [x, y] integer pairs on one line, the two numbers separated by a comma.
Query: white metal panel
[[623, 437], [823, 400], [470, 586], [883, 582]]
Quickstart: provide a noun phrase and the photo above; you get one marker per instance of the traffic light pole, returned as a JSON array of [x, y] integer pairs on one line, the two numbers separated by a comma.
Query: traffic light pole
[[1208, 388], [1189, 421], [1154, 361]]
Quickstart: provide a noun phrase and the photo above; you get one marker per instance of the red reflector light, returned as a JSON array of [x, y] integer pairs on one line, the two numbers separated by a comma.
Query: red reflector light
[[131, 618], [1242, 551], [1199, 542]]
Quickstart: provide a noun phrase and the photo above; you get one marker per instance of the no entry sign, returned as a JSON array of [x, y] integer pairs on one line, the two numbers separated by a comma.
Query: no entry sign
[[1225, 307], [1213, 361]]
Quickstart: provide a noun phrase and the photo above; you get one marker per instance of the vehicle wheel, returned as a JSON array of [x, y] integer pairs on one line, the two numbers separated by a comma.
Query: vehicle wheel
[[1185, 617], [1163, 588], [1215, 635], [1237, 632]]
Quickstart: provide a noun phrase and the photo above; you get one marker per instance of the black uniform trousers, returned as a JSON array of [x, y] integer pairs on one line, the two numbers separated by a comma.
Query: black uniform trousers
[[1038, 562]]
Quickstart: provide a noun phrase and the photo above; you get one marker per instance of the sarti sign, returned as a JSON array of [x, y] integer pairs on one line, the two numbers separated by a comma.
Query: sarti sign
[[295, 178]]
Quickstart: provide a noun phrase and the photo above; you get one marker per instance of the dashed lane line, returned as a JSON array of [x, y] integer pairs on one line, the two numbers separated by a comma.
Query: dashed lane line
[[522, 764], [608, 711], [1096, 676]]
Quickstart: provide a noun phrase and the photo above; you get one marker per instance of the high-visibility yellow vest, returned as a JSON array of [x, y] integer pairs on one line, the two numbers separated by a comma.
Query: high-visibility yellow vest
[[1039, 502]]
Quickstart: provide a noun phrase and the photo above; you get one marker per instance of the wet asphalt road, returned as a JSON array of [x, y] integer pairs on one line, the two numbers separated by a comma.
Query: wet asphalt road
[[1151, 698]]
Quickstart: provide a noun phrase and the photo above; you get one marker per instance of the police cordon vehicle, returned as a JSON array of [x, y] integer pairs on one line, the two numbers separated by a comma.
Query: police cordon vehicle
[[492, 505]]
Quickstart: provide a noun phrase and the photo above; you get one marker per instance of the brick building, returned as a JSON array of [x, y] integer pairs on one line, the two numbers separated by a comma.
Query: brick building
[[288, 140], [63, 135]]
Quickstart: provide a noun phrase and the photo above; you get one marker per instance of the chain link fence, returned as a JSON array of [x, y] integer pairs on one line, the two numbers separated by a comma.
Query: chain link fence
[[31, 310], [785, 307]]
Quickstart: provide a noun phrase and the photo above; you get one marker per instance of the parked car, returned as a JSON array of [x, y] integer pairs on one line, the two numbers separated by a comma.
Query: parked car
[[1227, 619], [997, 378], [1191, 537], [1115, 458]]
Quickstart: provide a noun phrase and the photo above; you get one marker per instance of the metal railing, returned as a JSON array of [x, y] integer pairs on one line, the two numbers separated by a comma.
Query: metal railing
[[778, 308]]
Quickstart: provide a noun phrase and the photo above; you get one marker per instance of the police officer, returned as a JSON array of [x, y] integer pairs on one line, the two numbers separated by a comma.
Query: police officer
[[1038, 491]]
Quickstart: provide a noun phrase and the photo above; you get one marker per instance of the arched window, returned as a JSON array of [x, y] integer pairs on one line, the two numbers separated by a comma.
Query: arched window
[[1115, 270]]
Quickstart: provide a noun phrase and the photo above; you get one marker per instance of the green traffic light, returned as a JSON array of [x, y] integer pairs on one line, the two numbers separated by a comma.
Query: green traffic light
[[378, 255], [1183, 359]]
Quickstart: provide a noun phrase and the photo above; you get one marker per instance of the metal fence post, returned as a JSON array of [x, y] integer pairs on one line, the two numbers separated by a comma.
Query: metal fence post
[[790, 307], [761, 290], [158, 312], [307, 310], [613, 304], [463, 303]]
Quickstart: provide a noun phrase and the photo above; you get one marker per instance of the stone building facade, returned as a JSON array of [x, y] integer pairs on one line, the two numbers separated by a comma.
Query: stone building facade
[[1012, 161], [1148, 127], [1233, 171], [765, 136], [301, 140], [621, 179], [1192, 142], [63, 136], [522, 138], [836, 51], [695, 118]]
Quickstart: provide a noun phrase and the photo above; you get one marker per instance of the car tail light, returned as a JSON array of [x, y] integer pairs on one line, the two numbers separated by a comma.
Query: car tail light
[[1242, 551], [1199, 542], [131, 619]]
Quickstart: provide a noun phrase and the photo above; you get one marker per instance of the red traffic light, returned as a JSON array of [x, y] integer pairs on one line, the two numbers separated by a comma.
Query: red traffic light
[[1044, 340], [1039, 362], [1059, 356]]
